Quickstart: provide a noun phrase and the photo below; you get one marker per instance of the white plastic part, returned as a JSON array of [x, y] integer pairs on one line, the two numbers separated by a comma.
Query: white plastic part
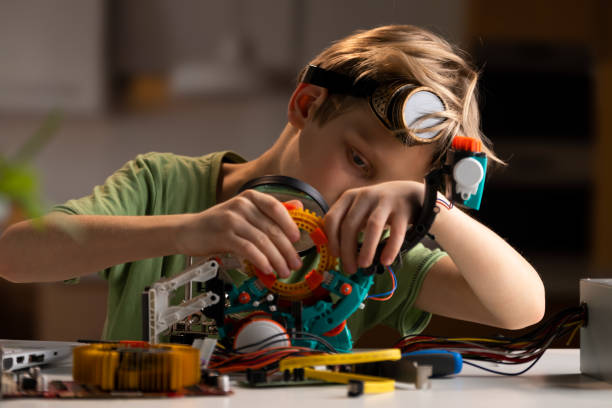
[[468, 174], [255, 334], [162, 315], [207, 348]]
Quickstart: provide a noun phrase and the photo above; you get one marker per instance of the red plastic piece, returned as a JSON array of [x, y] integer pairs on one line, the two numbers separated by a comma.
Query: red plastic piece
[[467, 144], [336, 331], [244, 297], [134, 343], [290, 206], [267, 280], [346, 289], [313, 279], [319, 293], [318, 237]]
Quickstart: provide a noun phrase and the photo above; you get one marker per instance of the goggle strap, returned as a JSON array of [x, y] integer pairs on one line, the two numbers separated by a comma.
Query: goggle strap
[[379, 101], [335, 82]]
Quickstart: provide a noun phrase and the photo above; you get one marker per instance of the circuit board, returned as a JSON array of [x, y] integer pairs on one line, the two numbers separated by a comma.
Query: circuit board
[[73, 390]]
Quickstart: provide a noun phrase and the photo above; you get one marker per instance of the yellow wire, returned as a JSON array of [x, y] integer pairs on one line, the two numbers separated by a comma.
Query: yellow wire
[[573, 334]]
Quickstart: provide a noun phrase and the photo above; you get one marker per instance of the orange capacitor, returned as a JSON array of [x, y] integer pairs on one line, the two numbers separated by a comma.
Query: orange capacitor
[[465, 143]]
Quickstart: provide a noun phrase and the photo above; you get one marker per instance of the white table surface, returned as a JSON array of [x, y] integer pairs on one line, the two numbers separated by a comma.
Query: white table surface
[[555, 381]]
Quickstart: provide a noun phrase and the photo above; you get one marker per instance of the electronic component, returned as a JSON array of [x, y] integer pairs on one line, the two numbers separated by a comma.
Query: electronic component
[[469, 167], [596, 334], [136, 366], [21, 354], [74, 390]]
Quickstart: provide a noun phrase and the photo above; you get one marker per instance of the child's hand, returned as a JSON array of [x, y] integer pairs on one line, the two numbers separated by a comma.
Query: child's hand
[[371, 209], [252, 225]]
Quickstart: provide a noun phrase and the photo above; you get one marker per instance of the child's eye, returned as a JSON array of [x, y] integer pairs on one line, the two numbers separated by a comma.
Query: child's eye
[[358, 161]]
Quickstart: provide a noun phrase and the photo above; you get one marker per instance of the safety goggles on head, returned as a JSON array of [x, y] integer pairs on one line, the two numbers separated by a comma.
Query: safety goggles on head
[[402, 108]]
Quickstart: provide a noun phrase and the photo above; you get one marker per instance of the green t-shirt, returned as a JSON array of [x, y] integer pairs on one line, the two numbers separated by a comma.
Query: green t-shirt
[[165, 183]]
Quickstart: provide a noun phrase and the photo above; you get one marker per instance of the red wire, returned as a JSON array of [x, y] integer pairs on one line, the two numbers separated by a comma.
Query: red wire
[[392, 289]]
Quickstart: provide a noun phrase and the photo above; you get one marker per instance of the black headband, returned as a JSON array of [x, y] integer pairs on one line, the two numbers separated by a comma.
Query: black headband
[[335, 82]]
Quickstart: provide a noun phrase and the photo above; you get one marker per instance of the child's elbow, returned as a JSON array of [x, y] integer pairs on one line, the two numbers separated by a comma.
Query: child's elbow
[[529, 319], [532, 313]]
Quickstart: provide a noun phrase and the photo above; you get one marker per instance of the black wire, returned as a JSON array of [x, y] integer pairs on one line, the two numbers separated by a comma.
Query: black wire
[[501, 372], [303, 336], [263, 341], [318, 339]]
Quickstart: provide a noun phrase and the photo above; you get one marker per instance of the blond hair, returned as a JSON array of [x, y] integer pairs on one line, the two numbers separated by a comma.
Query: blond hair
[[405, 53]]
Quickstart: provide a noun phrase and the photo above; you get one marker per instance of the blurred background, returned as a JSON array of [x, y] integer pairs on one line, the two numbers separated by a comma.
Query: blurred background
[[197, 76]]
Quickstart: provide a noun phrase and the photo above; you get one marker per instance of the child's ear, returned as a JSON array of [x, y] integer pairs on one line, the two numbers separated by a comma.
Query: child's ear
[[304, 102]]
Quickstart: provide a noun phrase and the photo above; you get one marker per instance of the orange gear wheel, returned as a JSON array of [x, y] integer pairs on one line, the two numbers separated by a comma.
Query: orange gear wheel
[[313, 225]]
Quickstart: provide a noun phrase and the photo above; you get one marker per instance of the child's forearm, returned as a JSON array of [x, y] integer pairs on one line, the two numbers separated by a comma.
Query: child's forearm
[[68, 246], [505, 283]]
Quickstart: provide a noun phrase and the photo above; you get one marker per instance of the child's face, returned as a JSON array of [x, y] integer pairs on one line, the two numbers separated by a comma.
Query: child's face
[[352, 150]]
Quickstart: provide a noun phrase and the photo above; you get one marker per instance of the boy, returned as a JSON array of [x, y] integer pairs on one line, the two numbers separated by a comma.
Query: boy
[[160, 205]]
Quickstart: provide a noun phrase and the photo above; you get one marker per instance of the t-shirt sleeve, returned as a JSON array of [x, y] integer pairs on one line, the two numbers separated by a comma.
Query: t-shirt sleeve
[[399, 312], [131, 190]]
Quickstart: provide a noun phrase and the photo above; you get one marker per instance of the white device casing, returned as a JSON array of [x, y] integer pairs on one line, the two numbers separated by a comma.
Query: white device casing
[[258, 330], [468, 174]]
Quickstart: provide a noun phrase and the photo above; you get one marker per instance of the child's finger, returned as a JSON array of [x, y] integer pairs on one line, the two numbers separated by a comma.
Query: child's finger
[[277, 236], [244, 248], [274, 209], [399, 224], [373, 231], [265, 245], [332, 222], [349, 234]]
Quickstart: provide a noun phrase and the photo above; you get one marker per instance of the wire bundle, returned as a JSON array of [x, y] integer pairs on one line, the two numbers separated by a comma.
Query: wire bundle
[[266, 359], [526, 348], [381, 297], [267, 356]]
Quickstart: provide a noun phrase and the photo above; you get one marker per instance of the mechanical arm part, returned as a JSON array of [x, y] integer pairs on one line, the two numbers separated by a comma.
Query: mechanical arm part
[[161, 315]]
